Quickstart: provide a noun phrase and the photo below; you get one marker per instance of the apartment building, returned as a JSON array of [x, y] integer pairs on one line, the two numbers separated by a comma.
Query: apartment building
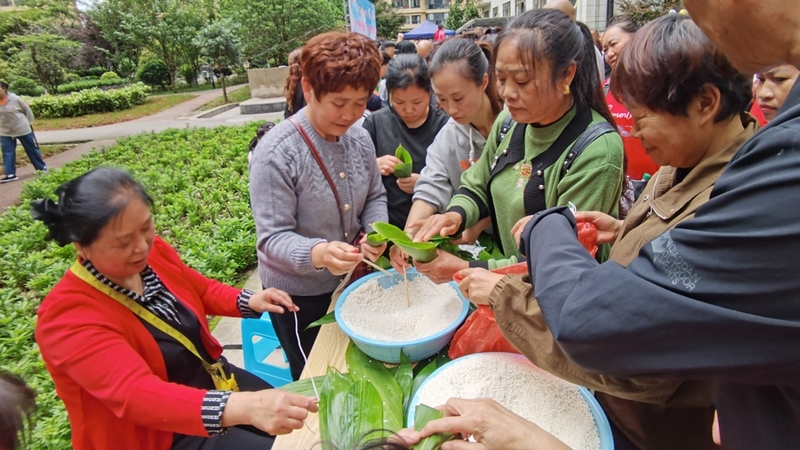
[[593, 13], [418, 11]]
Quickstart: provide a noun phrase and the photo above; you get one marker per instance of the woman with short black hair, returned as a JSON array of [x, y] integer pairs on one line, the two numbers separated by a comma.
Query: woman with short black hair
[[409, 121], [125, 337]]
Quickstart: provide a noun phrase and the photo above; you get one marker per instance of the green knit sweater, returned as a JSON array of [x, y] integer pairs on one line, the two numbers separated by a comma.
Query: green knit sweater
[[594, 183]]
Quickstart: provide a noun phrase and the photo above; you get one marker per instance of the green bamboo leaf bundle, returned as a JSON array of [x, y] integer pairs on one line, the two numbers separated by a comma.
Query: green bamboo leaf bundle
[[422, 415], [403, 170]]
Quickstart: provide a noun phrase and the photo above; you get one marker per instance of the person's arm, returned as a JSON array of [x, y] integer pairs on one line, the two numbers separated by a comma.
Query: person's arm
[[712, 298], [27, 110], [433, 187], [274, 204], [521, 322], [471, 199]]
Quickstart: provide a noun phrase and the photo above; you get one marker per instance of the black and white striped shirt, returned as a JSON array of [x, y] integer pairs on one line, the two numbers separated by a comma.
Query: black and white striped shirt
[[160, 301]]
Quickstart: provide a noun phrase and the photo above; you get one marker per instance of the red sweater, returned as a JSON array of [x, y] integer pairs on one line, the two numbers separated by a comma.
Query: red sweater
[[108, 368]]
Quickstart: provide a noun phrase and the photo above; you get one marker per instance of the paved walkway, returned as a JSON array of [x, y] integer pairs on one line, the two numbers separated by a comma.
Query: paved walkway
[[106, 135]]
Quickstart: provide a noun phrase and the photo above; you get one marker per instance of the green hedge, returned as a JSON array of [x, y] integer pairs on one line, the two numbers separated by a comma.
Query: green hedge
[[90, 101], [82, 85], [199, 181]]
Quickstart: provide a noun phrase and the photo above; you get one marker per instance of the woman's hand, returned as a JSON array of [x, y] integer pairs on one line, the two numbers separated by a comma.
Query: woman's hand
[[399, 259], [371, 252], [441, 269], [607, 227], [444, 224], [471, 234], [276, 412], [478, 284], [337, 257], [491, 425], [516, 230], [386, 164], [407, 184], [272, 300]]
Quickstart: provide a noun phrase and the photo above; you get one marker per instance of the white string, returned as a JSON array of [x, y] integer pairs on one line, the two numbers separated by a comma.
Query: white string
[[300, 346]]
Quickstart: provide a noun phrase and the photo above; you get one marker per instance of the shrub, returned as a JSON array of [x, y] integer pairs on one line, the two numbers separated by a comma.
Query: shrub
[[95, 71], [90, 101], [188, 73], [153, 73], [25, 86], [70, 77], [82, 85], [109, 75], [198, 178]]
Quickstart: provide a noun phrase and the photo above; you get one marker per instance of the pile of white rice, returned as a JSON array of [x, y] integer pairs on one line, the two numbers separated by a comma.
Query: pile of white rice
[[513, 381], [384, 315]]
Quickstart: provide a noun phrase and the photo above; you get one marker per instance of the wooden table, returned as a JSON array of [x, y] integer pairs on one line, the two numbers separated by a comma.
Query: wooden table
[[329, 350]]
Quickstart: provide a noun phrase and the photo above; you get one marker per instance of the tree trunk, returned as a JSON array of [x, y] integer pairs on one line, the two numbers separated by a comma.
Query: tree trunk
[[224, 91]]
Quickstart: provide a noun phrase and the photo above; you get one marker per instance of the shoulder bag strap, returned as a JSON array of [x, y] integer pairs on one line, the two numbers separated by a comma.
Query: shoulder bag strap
[[325, 172], [590, 135], [534, 197], [216, 371]]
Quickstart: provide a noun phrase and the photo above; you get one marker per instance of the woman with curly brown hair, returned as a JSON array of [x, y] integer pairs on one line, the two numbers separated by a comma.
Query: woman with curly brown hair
[[314, 186]]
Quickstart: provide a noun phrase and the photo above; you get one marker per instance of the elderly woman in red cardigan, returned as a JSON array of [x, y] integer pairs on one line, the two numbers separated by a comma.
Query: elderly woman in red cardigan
[[124, 335]]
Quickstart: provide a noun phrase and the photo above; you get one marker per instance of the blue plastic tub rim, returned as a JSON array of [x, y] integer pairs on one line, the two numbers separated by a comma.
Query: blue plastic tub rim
[[600, 419], [411, 273]]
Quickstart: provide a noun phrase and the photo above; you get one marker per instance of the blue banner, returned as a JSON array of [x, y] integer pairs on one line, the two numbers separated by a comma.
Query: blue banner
[[362, 18]]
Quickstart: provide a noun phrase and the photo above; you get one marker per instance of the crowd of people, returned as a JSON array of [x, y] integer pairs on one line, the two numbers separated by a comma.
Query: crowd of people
[[684, 322]]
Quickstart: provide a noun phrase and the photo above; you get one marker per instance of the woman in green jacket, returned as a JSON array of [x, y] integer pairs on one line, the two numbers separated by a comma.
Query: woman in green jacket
[[547, 76]]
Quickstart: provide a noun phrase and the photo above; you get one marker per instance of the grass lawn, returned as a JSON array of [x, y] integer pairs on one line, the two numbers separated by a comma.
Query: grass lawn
[[153, 105], [47, 150], [236, 96]]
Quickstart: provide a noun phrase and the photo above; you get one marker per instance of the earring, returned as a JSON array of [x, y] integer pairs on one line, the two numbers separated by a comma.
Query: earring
[[566, 90]]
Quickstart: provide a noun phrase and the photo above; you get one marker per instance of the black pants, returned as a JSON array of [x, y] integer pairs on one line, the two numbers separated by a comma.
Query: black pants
[[312, 308], [236, 438]]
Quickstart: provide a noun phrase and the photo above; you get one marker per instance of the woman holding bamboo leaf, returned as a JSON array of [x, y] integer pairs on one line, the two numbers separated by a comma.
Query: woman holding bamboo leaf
[[314, 186], [464, 83], [563, 147], [402, 132]]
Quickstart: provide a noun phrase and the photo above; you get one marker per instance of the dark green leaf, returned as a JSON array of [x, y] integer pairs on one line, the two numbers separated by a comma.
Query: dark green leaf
[[405, 378], [362, 412], [422, 415], [362, 367], [326, 319]]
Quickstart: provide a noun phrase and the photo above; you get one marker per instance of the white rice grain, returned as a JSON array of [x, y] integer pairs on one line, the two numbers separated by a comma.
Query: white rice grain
[[383, 314], [513, 381]]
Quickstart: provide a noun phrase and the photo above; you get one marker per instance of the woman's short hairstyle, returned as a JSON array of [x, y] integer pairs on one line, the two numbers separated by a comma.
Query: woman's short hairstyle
[[667, 64], [550, 36], [87, 204], [624, 23], [333, 61], [405, 71]]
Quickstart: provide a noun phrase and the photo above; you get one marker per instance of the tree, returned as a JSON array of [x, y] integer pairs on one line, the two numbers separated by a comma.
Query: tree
[[220, 43], [387, 20], [45, 55], [643, 11], [270, 29], [461, 12]]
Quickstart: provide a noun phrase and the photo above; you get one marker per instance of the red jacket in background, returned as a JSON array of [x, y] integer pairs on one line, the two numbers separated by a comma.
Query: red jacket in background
[[438, 36], [108, 368], [638, 161]]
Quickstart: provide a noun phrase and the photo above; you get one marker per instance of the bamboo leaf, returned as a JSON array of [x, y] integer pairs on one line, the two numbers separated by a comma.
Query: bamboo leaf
[[330, 406], [361, 414], [363, 368], [403, 170], [390, 232], [405, 379], [326, 319], [304, 386], [375, 239], [422, 415], [419, 251]]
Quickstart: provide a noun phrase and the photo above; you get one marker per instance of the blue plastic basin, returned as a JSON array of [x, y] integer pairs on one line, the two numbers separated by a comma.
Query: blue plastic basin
[[600, 419], [390, 351]]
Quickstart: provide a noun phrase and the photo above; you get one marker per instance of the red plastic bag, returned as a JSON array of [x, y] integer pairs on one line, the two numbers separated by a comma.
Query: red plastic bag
[[587, 235]]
